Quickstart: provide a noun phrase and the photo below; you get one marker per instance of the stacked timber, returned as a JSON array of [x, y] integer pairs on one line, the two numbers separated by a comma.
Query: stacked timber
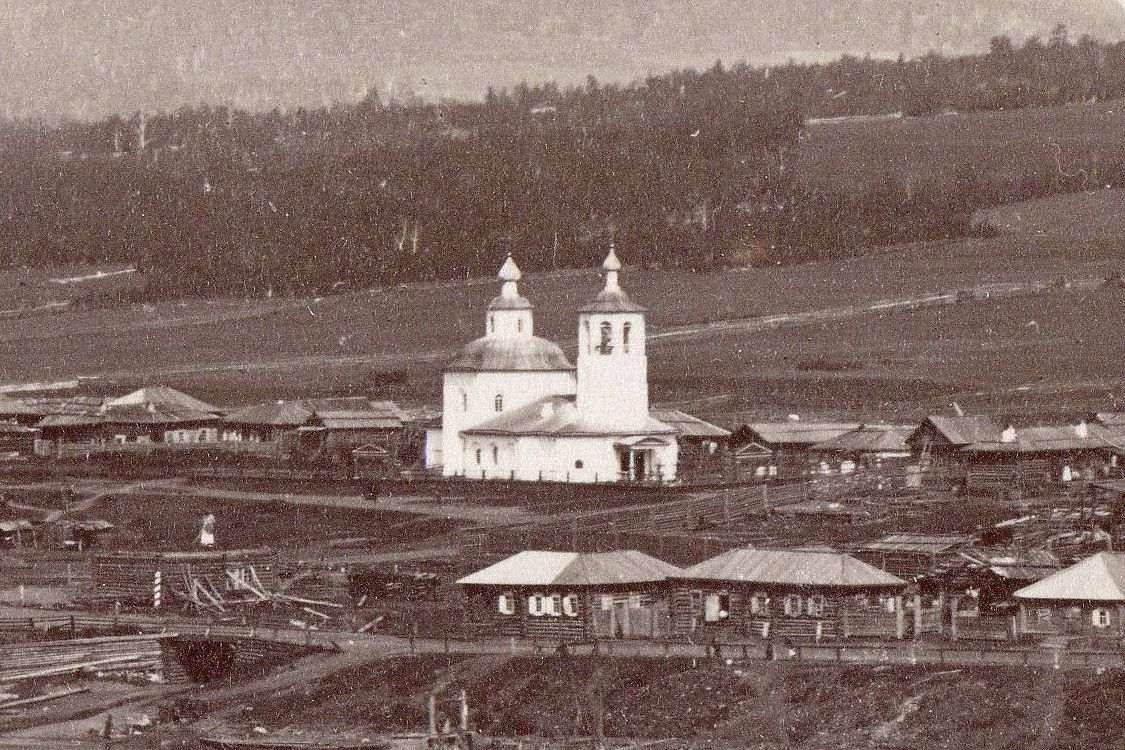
[[37, 659], [156, 579]]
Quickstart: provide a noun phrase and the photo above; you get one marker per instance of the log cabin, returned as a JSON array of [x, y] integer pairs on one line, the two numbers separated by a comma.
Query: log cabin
[[568, 596], [1085, 599], [788, 593]]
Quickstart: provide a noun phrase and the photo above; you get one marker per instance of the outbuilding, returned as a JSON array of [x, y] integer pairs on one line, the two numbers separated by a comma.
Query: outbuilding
[[571, 595]]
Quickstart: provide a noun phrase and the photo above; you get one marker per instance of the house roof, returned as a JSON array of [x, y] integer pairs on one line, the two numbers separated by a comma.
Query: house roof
[[1054, 438], [921, 543], [510, 354], [686, 425], [1098, 578], [68, 420], [163, 397], [155, 415], [14, 407], [344, 412], [558, 416], [1111, 417], [11, 428], [869, 439], [798, 432], [538, 568], [792, 568], [964, 430]]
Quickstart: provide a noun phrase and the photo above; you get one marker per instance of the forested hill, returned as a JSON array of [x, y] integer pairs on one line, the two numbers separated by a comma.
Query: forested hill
[[689, 168]]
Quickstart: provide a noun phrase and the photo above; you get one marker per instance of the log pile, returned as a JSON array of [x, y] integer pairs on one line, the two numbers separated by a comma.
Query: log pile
[[117, 654], [207, 580]]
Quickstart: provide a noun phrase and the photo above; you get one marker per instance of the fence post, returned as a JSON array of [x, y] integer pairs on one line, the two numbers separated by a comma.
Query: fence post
[[917, 615]]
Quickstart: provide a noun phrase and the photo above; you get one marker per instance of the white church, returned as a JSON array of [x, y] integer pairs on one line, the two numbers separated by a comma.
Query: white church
[[514, 407]]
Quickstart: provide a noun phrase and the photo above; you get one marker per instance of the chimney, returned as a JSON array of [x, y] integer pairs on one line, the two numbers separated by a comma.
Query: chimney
[[1082, 429], [1008, 434], [151, 407]]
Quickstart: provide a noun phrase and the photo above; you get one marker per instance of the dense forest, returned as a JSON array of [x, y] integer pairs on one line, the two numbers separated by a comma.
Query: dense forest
[[690, 168]]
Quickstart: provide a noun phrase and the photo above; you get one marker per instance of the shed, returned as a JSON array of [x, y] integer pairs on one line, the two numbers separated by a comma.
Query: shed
[[910, 555], [571, 595], [867, 446], [790, 442]]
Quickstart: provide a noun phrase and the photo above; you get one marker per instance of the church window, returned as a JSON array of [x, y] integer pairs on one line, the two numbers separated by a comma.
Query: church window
[[578, 464], [498, 402], [605, 346], [625, 331], [478, 456], [495, 455], [464, 401], [589, 343], [519, 325], [492, 324]]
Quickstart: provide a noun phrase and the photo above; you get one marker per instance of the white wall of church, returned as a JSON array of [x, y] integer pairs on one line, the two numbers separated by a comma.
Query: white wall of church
[[470, 398], [612, 369], [556, 459]]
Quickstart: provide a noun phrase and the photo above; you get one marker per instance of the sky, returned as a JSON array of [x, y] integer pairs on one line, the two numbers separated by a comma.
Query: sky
[[89, 58]]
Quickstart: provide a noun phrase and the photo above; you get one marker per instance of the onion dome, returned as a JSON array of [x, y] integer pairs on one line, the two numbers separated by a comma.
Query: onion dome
[[509, 297], [612, 298]]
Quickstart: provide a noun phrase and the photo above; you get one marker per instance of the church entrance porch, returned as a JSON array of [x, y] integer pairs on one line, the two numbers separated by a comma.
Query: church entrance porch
[[639, 461]]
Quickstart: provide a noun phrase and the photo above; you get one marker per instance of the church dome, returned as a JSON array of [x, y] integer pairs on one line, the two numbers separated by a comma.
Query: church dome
[[510, 353]]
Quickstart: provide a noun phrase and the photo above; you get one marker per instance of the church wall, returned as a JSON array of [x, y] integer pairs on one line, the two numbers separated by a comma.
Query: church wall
[[554, 459], [469, 398]]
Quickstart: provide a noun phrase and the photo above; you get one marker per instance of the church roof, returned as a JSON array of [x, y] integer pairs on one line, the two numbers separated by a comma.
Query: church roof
[[510, 353], [688, 426], [558, 416], [611, 301], [500, 302]]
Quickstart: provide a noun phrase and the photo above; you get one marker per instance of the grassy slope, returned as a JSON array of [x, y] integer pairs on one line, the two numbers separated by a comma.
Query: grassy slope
[[235, 352], [766, 705]]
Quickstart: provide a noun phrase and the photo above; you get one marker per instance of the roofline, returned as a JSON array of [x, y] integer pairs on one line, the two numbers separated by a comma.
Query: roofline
[[571, 368], [792, 584], [540, 433]]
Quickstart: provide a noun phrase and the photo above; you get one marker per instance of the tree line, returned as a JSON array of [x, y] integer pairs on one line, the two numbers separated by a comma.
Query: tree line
[[691, 168]]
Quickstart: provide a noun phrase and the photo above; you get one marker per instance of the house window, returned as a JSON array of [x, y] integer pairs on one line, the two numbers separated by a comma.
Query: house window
[[464, 401], [1100, 618], [495, 455], [492, 324], [625, 331], [498, 402], [506, 603], [605, 345], [555, 602], [535, 605], [760, 603], [815, 605], [1043, 615], [716, 607], [570, 605], [793, 605], [478, 456]]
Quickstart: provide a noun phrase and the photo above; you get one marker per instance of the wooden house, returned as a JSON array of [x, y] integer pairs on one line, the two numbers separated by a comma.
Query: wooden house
[[159, 414], [17, 440], [19, 412], [787, 593], [1087, 599], [786, 445], [571, 596], [704, 448], [866, 447], [936, 444], [1030, 458]]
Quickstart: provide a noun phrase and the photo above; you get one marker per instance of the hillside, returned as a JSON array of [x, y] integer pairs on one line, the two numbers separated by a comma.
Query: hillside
[[758, 706], [393, 340], [228, 51]]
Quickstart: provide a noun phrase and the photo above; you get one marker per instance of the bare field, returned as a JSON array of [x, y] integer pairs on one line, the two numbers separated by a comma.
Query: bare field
[[1003, 144]]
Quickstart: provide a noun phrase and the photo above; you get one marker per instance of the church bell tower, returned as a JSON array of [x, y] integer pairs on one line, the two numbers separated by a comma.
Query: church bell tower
[[612, 363]]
